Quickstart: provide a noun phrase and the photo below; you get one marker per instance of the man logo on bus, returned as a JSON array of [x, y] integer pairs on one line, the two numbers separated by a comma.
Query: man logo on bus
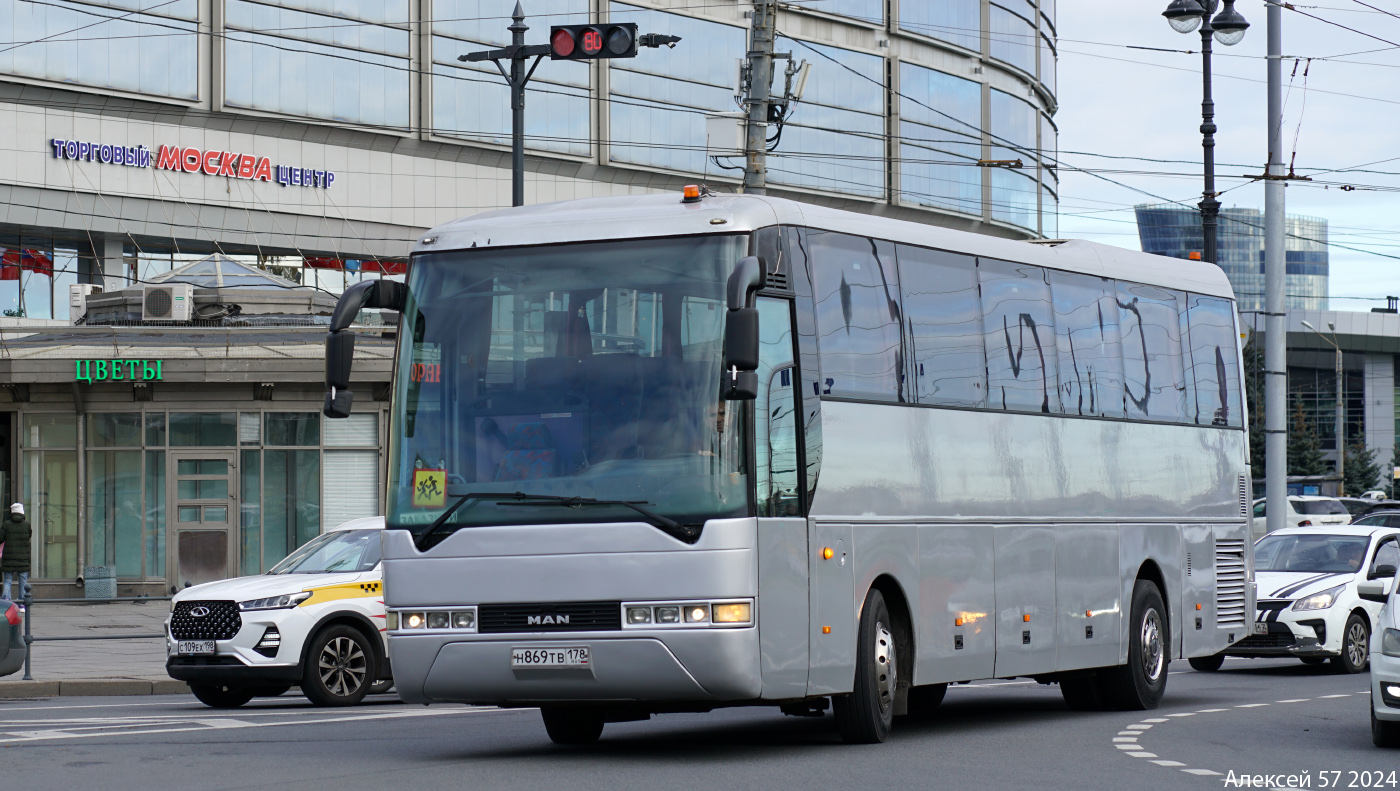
[[544, 620]]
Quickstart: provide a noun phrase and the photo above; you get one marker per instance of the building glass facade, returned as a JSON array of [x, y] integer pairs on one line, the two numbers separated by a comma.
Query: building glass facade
[[1176, 231]]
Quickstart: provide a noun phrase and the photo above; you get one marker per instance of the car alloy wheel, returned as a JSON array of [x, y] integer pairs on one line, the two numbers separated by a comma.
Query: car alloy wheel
[[1356, 646], [342, 666]]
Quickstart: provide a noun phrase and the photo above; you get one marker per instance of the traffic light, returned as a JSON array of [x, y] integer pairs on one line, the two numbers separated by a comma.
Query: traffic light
[[589, 42]]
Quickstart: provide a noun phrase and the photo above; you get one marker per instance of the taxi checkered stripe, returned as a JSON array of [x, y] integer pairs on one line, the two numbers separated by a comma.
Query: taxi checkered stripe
[[370, 587]]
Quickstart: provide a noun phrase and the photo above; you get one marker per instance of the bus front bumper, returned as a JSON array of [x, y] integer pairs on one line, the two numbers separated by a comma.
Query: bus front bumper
[[703, 665]]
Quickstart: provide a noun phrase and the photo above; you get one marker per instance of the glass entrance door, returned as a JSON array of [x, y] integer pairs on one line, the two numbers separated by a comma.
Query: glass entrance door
[[203, 502]]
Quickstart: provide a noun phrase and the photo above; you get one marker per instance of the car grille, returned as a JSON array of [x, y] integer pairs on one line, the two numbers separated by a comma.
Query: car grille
[[1229, 582], [1276, 638], [582, 616], [221, 623], [1269, 610]]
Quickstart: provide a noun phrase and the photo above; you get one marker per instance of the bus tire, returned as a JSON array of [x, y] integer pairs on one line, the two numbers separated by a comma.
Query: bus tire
[[1139, 685], [1207, 664], [865, 715], [1082, 694], [573, 725]]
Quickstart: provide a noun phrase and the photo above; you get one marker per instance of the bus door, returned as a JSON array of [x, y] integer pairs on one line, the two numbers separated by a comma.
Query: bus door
[[782, 530]]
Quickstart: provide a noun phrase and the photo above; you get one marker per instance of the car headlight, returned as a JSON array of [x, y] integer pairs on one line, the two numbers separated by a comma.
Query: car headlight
[[1320, 601], [1390, 642], [282, 602]]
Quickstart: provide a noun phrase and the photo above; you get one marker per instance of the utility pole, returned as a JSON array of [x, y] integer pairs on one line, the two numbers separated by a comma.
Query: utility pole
[[1210, 207], [566, 42], [1275, 324], [760, 85]]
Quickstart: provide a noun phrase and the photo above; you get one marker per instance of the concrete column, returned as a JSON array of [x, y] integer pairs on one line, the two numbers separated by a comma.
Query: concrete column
[[109, 266], [1380, 408]]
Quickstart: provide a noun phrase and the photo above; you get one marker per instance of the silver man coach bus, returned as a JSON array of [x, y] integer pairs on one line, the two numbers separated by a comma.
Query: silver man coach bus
[[661, 454]]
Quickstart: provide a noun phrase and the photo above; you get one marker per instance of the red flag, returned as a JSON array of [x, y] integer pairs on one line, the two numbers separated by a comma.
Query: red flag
[[325, 263], [35, 261], [9, 265]]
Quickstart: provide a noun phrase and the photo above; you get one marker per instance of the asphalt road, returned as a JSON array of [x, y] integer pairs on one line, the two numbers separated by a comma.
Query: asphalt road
[[1274, 717]]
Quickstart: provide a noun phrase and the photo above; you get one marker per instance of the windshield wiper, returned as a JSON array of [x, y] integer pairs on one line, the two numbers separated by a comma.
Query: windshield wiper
[[687, 533]]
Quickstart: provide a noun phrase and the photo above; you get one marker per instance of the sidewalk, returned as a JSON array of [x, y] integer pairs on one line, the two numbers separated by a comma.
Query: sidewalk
[[95, 667]]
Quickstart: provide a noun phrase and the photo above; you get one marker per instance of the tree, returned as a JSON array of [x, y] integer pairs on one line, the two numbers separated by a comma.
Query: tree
[[1254, 399], [1304, 448], [1361, 469]]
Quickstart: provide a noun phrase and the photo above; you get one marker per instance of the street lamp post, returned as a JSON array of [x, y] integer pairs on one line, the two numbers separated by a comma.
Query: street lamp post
[[1228, 28], [1341, 409]]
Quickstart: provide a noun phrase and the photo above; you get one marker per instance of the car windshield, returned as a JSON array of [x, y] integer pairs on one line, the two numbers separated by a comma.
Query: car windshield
[[1319, 507], [340, 551], [581, 370], [1311, 553]]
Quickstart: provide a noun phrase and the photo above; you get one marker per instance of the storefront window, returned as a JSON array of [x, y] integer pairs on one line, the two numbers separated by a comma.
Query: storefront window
[[57, 430], [51, 497], [293, 428], [249, 428], [291, 501], [204, 429], [155, 428], [115, 510], [250, 510], [114, 429], [155, 510]]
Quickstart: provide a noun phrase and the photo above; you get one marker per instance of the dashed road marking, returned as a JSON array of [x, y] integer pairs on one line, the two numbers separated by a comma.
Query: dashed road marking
[[1294, 700], [1143, 755], [1123, 739], [1250, 705], [1343, 695], [1139, 727], [1201, 772], [1210, 711], [1157, 719], [1183, 714], [1165, 762]]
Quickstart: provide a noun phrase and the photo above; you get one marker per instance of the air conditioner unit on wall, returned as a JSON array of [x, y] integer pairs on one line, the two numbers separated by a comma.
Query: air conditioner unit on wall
[[173, 302], [77, 299]]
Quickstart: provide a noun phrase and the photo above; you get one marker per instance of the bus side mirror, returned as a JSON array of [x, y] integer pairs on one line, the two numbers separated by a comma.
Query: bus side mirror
[[741, 331], [340, 357], [340, 341]]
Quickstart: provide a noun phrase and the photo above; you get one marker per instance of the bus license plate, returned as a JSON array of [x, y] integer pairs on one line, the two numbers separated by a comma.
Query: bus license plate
[[565, 656], [1261, 627], [194, 647]]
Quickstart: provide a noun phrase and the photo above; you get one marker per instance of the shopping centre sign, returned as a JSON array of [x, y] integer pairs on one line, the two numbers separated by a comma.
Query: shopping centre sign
[[210, 162]]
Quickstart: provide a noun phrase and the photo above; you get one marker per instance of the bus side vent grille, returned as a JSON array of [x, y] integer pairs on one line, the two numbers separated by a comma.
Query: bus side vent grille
[[1188, 564], [1244, 496], [777, 281], [1229, 582]]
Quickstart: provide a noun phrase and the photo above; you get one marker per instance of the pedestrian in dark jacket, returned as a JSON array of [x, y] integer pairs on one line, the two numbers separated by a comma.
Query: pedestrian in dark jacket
[[15, 534]]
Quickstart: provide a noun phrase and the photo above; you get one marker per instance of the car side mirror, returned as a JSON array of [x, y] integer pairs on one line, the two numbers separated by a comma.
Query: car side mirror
[[1384, 570], [1373, 591]]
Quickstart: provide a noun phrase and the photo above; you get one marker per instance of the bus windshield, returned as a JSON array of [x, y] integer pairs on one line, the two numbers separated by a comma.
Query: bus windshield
[[585, 370]]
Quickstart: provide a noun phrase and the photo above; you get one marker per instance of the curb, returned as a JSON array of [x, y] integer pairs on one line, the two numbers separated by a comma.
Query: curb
[[91, 687]]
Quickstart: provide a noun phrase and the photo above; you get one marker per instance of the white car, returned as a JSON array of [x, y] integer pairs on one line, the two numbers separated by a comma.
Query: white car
[[315, 620], [1385, 661], [1305, 511], [1308, 604]]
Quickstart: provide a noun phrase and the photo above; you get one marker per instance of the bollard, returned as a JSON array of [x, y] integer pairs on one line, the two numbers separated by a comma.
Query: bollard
[[28, 638]]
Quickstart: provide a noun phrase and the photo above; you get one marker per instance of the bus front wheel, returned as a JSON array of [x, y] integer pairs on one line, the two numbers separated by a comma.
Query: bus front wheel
[[1140, 683], [865, 715], [572, 724]]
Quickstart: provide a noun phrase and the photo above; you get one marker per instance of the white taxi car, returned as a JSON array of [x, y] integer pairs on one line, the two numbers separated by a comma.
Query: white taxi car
[[1304, 511], [1385, 662], [1308, 603], [315, 620]]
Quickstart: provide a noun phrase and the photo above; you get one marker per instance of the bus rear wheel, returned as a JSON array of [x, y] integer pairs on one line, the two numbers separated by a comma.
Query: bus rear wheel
[[1140, 683], [865, 715], [572, 724]]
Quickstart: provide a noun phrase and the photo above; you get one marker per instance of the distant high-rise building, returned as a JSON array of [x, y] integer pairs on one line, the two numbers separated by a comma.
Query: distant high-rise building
[[1176, 231]]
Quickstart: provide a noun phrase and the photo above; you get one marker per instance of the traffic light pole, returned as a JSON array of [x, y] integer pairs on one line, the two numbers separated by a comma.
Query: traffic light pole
[[759, 99], [599, 41], [517, 53]]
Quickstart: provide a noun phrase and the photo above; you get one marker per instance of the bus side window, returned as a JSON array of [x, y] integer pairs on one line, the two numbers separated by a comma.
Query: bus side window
[[1154, 386], [943, 324], [775, 413], [1212, 362], [1019, 333], [1087, 341], [857, 303]]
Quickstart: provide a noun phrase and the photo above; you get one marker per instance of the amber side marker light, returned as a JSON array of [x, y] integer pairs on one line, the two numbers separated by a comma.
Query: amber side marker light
[[1194, 255], [827, 554], [1026, 618], [957, 622], [826, 630], [1198, 605]]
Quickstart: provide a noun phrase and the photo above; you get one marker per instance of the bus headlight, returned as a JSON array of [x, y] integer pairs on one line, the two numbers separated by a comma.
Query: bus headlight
[[701, 614], [414, 620]]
